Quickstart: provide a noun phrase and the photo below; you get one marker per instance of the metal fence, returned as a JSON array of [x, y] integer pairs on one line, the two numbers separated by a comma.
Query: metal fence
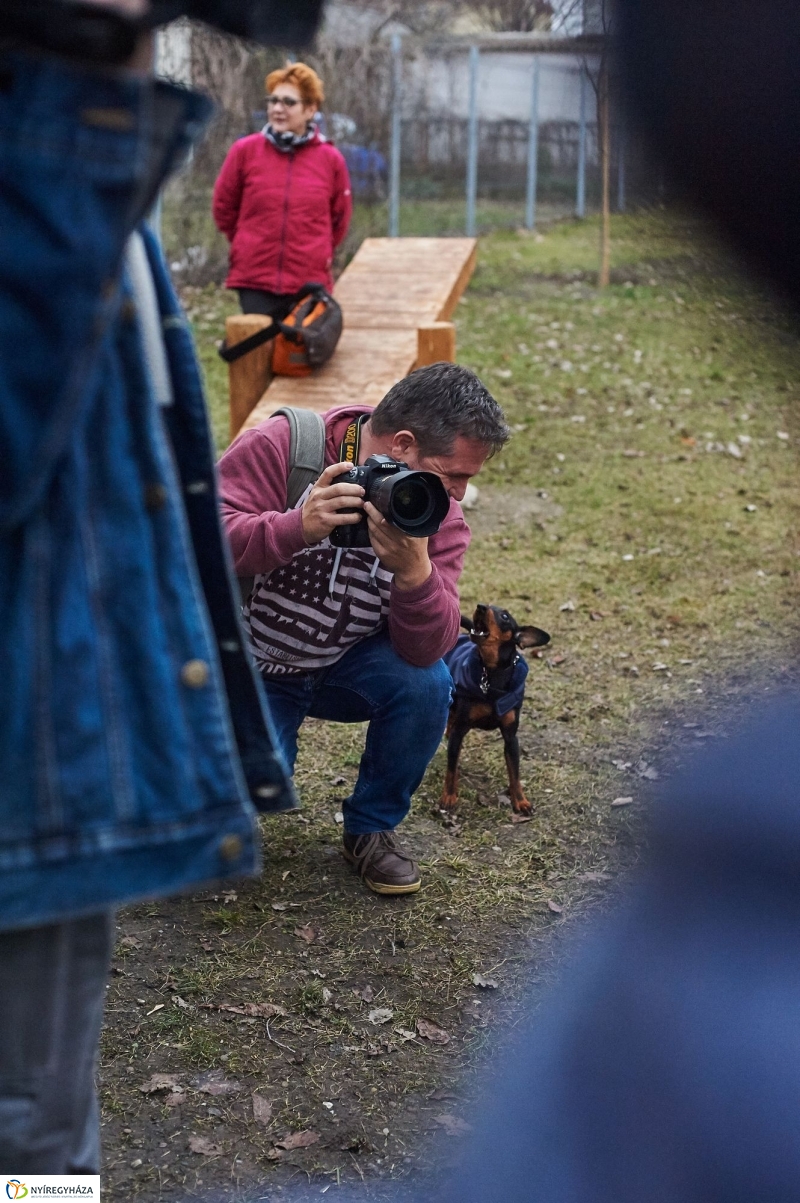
[[443, 139]]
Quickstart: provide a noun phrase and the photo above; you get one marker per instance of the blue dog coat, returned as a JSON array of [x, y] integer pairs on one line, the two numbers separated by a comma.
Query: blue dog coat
[[466, 668]]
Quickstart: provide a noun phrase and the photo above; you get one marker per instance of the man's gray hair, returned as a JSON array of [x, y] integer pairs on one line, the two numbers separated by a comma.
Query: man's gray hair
[[438, 403]]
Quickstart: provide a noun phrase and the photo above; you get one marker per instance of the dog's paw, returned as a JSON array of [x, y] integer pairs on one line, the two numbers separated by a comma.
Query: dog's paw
[[449, 802], [522, 806]]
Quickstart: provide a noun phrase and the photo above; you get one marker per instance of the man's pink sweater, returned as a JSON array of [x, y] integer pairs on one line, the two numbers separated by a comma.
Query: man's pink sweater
[[423, 623]]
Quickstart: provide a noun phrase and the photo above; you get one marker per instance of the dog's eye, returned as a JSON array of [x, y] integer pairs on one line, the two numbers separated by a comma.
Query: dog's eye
[[504, 616]]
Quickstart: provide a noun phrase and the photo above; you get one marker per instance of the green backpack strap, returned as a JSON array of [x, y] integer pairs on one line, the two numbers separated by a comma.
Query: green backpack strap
[[306, 461], [306, 450]]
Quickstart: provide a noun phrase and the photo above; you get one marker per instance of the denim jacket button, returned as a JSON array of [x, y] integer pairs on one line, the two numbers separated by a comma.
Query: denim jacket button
[[155, 495], [230, 847], [195, 674]]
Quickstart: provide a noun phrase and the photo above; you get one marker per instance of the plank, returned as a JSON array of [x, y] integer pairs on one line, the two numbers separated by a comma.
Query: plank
[[366, 365], [397, 296]]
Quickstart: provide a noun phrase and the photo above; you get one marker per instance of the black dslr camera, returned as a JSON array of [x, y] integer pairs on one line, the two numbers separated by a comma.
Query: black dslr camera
[[415, 502]]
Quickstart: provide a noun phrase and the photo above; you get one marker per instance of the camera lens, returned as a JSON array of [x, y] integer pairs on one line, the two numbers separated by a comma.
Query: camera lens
[[411, 502]]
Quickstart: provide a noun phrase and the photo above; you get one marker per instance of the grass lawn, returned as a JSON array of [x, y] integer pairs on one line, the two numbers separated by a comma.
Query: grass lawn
[[645, 513]]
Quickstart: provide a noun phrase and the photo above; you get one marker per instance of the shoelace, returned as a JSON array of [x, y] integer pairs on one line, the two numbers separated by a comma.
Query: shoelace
[[374, 844]]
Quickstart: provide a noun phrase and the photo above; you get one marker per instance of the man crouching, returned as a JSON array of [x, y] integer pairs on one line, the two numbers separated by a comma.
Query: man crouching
[[358, 634]]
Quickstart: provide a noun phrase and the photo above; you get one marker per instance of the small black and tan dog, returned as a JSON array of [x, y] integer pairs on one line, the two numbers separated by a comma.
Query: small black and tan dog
[[489, 674]]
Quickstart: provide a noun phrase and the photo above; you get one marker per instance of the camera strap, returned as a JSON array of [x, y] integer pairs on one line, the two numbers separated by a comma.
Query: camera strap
[[348, 452]]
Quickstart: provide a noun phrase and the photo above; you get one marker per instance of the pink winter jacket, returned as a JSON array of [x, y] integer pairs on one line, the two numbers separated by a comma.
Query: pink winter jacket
[[423, 623], [283, 212]]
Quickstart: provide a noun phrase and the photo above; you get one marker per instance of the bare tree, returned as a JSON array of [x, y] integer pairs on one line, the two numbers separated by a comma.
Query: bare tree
[[520, 16]]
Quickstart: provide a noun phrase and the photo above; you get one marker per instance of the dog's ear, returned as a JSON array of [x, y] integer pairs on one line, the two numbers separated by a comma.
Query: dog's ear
[[531, 637], [466, 623]]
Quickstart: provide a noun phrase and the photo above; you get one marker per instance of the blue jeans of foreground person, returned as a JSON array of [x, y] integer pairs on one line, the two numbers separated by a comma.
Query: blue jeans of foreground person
[[406, 708]]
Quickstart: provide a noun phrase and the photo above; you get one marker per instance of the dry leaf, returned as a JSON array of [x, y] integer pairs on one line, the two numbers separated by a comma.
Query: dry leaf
[[622, 801], [380, 1015], [182, 1003], [404, 1034], [262, 1109], [432, 1032], [176, 1098], [554, 661], [485, 983], [204, 1146], [554, 907], [215, 1083], [160, 1082], [130, 942], [453, 1125], [274, 1154], [307, 933], [279, 906], [253, 1010], [515, 818], [596, 615], [366, 995], [339, 780], [298, 1140], [567, 605]]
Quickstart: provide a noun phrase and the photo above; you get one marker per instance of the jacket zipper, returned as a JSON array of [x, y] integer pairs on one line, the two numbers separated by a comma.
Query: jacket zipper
[[285, 218]]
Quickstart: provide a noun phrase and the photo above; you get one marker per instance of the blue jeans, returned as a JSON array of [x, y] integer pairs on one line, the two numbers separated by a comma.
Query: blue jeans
[[406, 708]]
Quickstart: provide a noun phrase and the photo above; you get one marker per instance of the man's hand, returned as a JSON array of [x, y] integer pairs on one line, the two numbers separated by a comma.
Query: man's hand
[[407, 558], [322, 508]]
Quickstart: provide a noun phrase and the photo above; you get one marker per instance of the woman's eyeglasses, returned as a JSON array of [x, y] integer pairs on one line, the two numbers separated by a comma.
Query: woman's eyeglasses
[[288, 102]]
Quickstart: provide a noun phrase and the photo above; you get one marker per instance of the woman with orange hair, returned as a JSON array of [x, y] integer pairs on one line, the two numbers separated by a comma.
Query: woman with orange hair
[[283, 198]]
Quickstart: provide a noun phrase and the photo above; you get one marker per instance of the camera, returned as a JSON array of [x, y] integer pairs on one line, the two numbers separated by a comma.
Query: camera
[[95, 33], [415, 502]]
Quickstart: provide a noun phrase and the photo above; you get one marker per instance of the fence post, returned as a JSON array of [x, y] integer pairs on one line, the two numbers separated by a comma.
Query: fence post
[[580, 197], [472, 141], [397, 133], [533, 149], [621, 144]]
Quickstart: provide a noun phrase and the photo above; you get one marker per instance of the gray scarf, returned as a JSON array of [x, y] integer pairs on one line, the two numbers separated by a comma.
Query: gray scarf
[[288, 141]]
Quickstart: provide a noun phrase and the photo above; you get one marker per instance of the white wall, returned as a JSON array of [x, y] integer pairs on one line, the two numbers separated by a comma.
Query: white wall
[[441, 84]]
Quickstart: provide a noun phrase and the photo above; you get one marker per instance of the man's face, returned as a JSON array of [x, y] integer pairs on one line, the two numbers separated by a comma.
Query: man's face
[[465, 460]]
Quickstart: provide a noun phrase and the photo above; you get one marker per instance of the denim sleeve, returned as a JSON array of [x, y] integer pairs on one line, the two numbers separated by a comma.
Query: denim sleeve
[[80, 158]]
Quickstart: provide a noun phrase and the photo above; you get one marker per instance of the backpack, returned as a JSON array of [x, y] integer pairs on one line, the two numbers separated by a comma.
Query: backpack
[[304, 340], [306, 462]]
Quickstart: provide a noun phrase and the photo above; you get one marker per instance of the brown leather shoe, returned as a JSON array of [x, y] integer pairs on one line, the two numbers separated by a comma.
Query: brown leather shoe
[[384, 868]]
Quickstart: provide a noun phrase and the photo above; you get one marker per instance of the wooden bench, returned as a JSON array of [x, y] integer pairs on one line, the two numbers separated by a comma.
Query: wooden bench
[[397, 296]]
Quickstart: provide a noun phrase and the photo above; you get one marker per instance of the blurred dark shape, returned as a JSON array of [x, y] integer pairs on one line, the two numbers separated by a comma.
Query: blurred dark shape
[[714, 86], [368, 170], [90, 32], [666, 1069]]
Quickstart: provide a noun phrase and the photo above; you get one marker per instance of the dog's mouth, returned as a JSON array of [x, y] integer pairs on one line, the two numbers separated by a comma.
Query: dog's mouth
[[479, 628]]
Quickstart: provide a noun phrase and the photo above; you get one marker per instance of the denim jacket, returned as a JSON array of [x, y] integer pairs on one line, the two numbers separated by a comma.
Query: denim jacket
[[134, 738]]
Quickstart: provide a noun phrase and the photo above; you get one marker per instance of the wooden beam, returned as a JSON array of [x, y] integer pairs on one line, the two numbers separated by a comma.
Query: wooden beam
[[458, 289], [436, 343], [249, 376]]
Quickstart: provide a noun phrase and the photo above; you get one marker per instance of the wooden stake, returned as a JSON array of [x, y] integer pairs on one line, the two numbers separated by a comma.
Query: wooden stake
[[436, 343], [604, 275], [249, 376]]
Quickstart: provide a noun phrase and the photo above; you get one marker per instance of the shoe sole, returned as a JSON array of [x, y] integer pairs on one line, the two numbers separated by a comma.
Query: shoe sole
[[380, 887]]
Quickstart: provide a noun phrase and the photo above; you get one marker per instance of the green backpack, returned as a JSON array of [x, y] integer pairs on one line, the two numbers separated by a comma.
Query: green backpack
[[306, 461]]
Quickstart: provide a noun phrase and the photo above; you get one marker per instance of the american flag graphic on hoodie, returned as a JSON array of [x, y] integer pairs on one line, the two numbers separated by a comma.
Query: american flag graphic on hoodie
[[306, 614]]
